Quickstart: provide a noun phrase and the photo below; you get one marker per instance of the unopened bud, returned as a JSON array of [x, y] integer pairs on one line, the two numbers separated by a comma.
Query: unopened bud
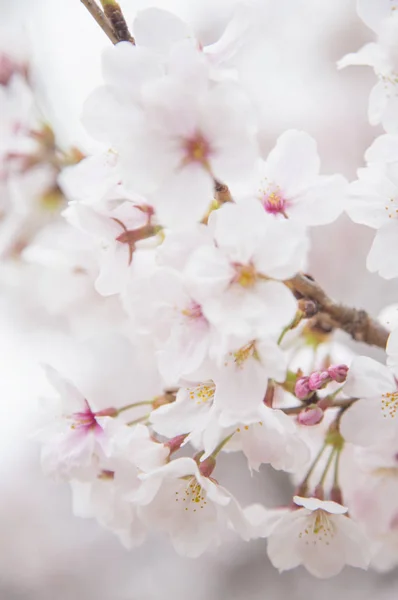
[[312, 415], [302, 389], [338, 373], [318, 380]]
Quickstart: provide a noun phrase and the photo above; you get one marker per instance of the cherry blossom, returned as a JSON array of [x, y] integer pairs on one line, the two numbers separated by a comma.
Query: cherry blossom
[[382, 55], [373, 203], [196, 512], [371, 419], [234, 280], [288, 183], [319, 536]]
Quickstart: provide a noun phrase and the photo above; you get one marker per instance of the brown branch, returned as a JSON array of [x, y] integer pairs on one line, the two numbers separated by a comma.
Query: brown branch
[[115, 16], [357, 323], [344, 404], [101, 19]]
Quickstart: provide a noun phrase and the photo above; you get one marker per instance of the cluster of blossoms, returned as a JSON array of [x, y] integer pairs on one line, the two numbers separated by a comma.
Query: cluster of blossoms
[[195, 243]]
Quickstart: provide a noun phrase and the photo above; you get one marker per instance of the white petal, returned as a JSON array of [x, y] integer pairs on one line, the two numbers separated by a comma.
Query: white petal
[[383, 150], [184, 197], [382, 257], [365, 424], [314, 504], [373, 13], [377, 103], [321, 203], [158, 29], [368, 378], [294, 162]]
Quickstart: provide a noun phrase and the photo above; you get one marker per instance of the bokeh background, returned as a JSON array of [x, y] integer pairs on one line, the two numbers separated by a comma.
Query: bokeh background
[[290, 64]]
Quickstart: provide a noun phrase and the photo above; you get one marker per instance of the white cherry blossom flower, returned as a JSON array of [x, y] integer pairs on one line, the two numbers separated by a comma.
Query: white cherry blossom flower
[[372, 418], [374, 202], [130, 452], [234, 280], [382, 17], [107, 374], [194, 510], [117, 233], [288, 183], [179, 136], [319, 536]]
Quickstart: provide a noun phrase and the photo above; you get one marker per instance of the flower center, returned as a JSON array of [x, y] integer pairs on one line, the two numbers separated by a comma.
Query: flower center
[[244, 353], [197, 150], [272, 199], [320, 529], [84, 419], [192, 496], [389, 404], [202, 393], [392, 208], [245, 275], [193, 311]]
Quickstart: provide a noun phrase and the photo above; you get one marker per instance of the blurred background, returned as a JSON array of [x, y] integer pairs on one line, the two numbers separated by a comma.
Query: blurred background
[[289, 64]]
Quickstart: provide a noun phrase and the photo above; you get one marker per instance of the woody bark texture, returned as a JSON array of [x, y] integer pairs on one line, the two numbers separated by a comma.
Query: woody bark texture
[[357, 323]]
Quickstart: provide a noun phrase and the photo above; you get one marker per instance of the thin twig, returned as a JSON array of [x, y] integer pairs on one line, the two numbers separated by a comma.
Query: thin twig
[[101, 19], [343, 404], [115, 16], [357, 323]]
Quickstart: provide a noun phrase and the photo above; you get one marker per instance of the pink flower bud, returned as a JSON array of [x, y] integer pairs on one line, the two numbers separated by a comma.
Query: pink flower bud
[[318, 380], [312, 415], [302, 388], [338, 373]]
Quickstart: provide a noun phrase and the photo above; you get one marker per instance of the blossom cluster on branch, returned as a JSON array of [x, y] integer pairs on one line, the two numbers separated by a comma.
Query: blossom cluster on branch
[[193, 246]]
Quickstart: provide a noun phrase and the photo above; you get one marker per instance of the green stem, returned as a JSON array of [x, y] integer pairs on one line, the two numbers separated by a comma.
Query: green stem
[[144, 418], [134, 405], [312, 467], [327, 467], [336, 468], [222, 444]]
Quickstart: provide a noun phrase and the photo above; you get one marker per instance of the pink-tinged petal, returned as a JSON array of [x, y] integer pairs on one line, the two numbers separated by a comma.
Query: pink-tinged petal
[[159, 29], [184, 197], [321, 203], [366, 424], [72, 399], [315, 504], [368, 378], [382, 257], [128, 67], [294, 162]]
